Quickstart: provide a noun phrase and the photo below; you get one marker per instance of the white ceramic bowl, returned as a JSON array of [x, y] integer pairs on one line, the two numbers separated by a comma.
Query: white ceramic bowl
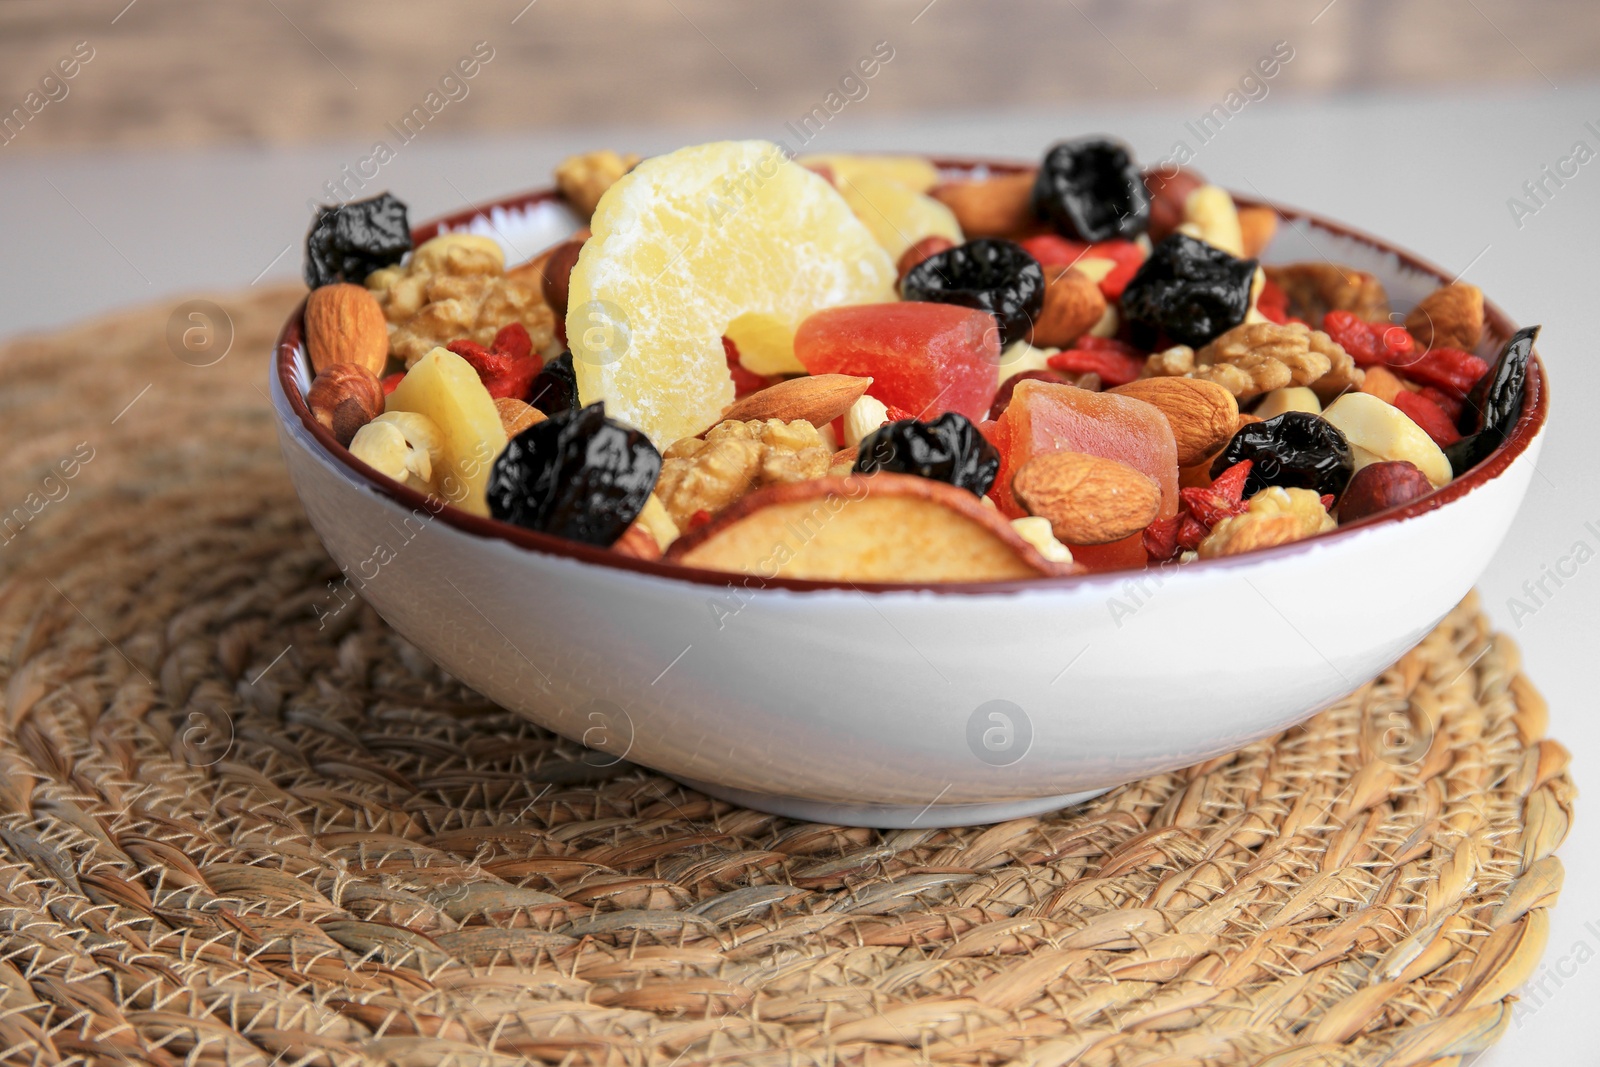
[[900, 706]]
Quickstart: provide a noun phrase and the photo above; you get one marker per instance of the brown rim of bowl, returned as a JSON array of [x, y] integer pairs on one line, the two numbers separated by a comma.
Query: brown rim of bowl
[[1534, 409]]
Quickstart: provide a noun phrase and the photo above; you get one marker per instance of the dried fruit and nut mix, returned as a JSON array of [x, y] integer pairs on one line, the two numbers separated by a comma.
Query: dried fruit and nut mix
[[857, 368]]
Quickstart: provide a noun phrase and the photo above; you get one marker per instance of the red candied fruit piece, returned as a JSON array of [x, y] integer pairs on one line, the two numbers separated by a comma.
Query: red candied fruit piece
[[1273, 302], [1450, 370], [508, 366], [1043, 418], [1429, 415], [1114, 368], [922, 357]]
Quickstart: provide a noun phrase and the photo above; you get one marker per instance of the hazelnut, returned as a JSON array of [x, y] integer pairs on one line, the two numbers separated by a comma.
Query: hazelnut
[[345, 397], [1168, 195], [928, 246], [1380, 486], [557, 274]]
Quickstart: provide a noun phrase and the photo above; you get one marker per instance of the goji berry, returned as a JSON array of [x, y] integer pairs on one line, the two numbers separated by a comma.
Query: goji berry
[[1273, 302], [392, 381], [1327, 500], [1053, 251], [1450, 405], [1354, 336], [1430, 416], [699, 518], [1448, 369], [1395, 342], [1191, 531], [1231, 482], [894, 414], [1108, 344], [508, 367], [1210, 507], [1161, 539], [1115, 368]]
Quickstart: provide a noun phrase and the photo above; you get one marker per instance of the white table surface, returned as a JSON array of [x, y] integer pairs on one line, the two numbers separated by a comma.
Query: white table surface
[[85, 233]]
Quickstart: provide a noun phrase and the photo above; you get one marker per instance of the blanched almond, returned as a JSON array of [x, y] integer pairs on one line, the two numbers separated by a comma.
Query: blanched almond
[[1089, 500], [1203, 415], [817, 398]]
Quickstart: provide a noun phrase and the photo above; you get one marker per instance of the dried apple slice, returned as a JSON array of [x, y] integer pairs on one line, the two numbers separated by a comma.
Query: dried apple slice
[[864, 528]]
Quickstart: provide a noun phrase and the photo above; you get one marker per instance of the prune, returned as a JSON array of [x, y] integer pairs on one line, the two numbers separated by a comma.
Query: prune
[[577, 475], [1092, 190], [347, 242], [1188, 290], [990, 275], [1493, 405], [555, 387], [948, 449], [1495, 402], [1297, 450]]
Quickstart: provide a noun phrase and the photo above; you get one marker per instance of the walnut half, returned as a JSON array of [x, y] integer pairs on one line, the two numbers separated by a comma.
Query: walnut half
[[1258, 357], [734, 458]]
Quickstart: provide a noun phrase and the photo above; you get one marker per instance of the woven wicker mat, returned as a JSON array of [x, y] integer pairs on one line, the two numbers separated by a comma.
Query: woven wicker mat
[[227, 836]]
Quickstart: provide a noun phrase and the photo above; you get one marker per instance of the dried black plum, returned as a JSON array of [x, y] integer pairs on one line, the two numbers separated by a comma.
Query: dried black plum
[[1495, 402], [1092, 190], [999, 277], [555, 387], [948, 449], [1189, 291], [1493, 405], [347, 242], [1297, 450], [577, 475]]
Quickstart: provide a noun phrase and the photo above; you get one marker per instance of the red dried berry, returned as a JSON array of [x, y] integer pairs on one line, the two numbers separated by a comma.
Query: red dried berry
[[1430, 416], [1449, 369], [1191, 531], [1231, 482], [1450, 405], [1161, 539], [1210, 507], [1051, 251], [699, 518], [1354, 336], [1327, 500], [1395, 342], [1114, 368], [392, 382], [508, 368], [894, 414], [1273, 302]]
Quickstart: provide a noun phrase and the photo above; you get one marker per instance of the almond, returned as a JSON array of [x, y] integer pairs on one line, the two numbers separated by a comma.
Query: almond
[[1089, 500], [1001, 206], [516, 415], [1203, 415], [1073, 303], [1449, 317], [818, 399], [865, 528], [1257, 225], [556, 277], [530, 273], [345, 324]]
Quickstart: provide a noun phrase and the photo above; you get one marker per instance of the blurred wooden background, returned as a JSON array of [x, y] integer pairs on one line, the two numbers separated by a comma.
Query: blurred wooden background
[[185, 72]]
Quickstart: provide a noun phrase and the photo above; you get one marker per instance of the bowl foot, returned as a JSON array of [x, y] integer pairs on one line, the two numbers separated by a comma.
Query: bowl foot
[[891, 816]]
